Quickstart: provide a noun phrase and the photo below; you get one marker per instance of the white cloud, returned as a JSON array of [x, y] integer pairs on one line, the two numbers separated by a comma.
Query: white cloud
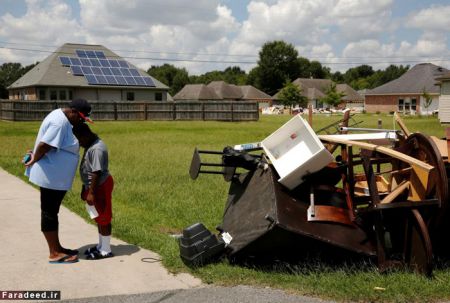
[[330, 31], [44, 23], [360, 8], [289, 20], [435, 18]]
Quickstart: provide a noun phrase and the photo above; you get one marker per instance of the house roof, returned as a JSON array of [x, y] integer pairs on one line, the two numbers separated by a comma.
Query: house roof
[[225, 90], [220, 90], [311, 88], [315, 89], [250, 92], [50, 72], [445, 76], [196, 92], [350, 94], [419, 78], [318, 84]]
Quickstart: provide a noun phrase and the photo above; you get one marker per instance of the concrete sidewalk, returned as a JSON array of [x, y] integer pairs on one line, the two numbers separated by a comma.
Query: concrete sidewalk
[[24, 253], [124, 278]]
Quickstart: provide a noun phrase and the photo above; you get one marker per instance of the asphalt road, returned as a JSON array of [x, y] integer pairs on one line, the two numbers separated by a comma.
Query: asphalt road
[[238, 294]]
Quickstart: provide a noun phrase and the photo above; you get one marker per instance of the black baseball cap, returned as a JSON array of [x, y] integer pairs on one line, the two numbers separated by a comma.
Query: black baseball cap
[[83, 107]]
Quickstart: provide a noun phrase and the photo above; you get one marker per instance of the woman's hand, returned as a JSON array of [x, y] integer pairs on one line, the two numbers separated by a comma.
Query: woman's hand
[[28, 160]]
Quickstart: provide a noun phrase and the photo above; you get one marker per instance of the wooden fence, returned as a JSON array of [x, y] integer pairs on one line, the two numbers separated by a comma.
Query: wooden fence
[[101, 111]]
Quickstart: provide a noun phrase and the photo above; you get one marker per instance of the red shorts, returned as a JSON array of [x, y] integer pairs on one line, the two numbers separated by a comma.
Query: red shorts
[[103, 201]]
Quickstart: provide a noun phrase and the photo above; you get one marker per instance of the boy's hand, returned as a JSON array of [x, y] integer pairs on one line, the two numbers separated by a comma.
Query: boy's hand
[[90, 198]]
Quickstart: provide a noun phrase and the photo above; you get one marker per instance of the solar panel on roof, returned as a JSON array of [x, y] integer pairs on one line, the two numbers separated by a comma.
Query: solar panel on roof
[[134, 72], [130, 81], [104, 63], [121, 80], [100, 55], [111, 80], [76, 70], [140, 81], [122, 63], [86, 70], [85, 62], [95, 62], [75, 61], [65, 60], [81, 53], [116, 71], [125, 72], [90, 54], [101, 79], [91, 79], [148, 81], [96, 70], [113, 63], [106, 71]]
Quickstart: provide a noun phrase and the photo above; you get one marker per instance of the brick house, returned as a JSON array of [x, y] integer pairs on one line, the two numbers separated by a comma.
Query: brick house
[[405, 94]]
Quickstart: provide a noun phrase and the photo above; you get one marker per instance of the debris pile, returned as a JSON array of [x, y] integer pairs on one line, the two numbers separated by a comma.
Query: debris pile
[[371, 192]]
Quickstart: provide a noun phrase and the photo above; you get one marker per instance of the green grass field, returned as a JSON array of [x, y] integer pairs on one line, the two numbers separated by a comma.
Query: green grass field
[[154, 198]]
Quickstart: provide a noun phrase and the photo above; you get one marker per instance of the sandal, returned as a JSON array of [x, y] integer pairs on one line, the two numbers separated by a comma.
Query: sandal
[[91, 250], [67, 259], [72, 252], [97, 255]]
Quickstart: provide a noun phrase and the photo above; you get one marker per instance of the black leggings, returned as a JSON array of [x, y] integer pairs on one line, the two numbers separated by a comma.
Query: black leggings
[[51, 200]]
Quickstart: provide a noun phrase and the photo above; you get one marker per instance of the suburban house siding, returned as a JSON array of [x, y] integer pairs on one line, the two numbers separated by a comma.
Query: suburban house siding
[[433, 106], [444, 101], [110, 94], [445, 88], [88, 94], [444, 109]]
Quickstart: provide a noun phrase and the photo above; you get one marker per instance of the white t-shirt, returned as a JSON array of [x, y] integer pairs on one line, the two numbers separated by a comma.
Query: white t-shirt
[[56, 169]]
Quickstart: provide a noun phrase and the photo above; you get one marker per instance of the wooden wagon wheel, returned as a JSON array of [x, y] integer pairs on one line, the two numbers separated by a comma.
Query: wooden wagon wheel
[[418, 249], [423, 148]]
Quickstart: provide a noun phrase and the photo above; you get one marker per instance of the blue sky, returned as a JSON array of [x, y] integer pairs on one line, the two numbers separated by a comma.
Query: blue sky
[[206, 35]]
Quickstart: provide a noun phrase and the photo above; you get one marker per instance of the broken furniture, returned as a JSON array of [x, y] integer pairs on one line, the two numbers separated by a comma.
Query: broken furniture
[[387, 201]]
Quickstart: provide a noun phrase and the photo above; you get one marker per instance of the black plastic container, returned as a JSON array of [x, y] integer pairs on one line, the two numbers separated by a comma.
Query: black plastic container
[[198, 246]]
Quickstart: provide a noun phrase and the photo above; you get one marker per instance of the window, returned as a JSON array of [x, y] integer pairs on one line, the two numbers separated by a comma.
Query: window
[[401, 105], [70, 95], [62, 95], [158, 96], [42, 94], [53, 95], [413, 104], [130, 96]]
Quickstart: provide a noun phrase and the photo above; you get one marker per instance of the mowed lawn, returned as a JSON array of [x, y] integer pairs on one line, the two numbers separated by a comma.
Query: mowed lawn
[[154, 198]]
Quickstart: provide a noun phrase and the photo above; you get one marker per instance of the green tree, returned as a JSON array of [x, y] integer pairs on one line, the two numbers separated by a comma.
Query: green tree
[[427, 99], [278, 62], [356, 73], [332, 97], [291, 95], [231, 75], [9, 73], [175, 78], [252, 77], [317, 71], [338, 77]]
